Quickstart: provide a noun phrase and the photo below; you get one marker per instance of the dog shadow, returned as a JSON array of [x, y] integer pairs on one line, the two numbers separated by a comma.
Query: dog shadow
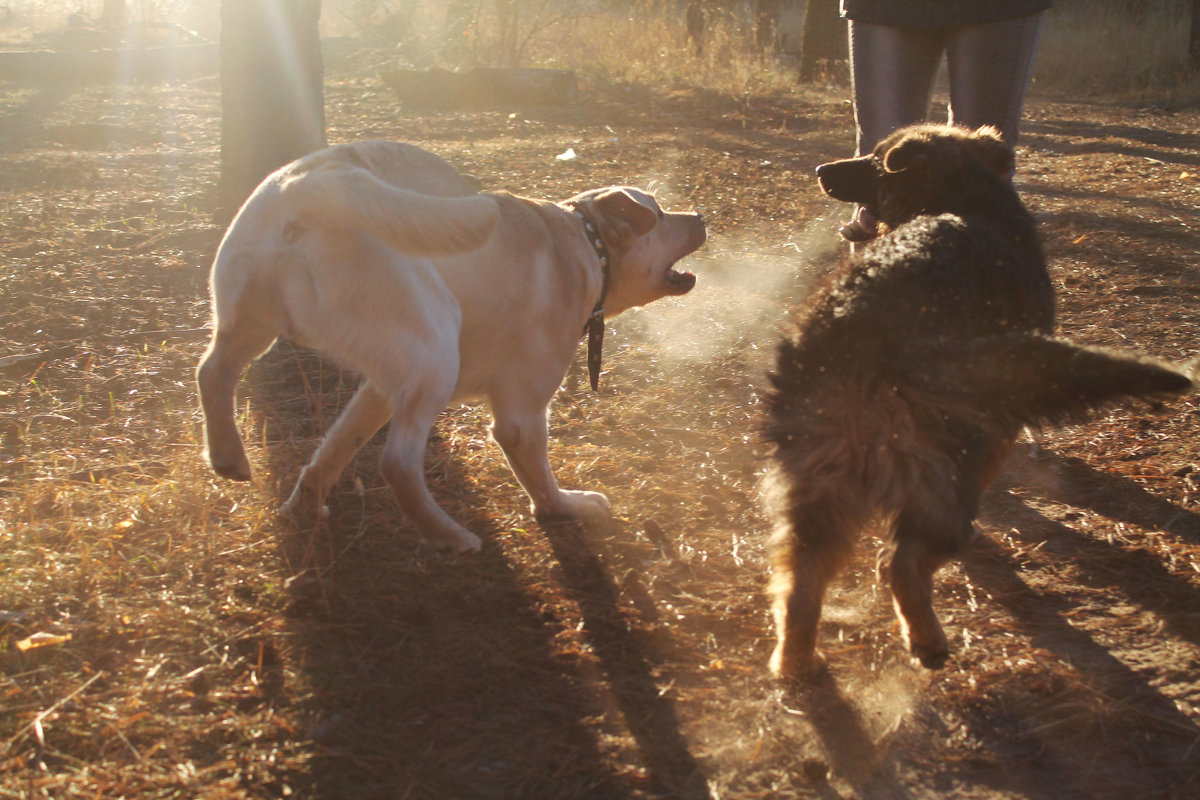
[[1075, 482], [1048, 732], [440, 676], [852, 752], [625, 657], [1142, 577], [1136, 712]]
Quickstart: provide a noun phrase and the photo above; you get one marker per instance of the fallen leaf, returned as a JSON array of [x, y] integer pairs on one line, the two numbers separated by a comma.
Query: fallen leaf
[[42, 640]]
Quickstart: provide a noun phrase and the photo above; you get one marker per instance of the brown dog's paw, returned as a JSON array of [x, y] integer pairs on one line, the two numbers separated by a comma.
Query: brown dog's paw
[[795, 667], [931, 657]]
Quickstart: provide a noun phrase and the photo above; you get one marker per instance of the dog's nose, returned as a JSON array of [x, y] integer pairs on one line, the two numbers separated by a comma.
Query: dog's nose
[[828, 172], [851, 180]]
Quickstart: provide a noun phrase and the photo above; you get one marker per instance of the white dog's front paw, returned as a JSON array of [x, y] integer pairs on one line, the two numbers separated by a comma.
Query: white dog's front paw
[[453, 539], [304, 505], [577, 505]]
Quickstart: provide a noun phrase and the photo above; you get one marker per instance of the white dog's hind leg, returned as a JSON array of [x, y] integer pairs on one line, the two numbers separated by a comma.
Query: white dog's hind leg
[[230, 350], [418, 389], [521, 432], [364, 415], [403, 465]]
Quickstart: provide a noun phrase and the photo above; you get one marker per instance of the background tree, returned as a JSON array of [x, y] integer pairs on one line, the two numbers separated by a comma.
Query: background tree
[[695, 21], [1194, 38], [766, 25], [113, 12], [823, 38], [272, 101]]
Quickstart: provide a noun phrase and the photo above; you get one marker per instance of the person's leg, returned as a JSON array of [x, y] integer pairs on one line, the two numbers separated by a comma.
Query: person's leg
[[990, 67], [891, 77]]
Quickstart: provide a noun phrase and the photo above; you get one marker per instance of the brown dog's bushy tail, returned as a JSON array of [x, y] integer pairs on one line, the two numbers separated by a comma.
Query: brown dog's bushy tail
[[1027, 379], [413, 223]]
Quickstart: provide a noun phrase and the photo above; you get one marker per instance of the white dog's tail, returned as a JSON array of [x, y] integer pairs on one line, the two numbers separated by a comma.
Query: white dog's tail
[[413, 223]]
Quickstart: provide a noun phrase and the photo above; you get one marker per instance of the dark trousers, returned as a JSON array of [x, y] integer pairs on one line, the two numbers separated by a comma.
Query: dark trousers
[[893, 70]]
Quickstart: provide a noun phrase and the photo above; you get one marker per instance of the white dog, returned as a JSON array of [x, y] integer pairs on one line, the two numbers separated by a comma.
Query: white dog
[[383, 257]]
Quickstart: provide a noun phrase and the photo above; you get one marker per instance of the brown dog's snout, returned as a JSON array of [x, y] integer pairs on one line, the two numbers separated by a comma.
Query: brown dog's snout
[[851, 180]]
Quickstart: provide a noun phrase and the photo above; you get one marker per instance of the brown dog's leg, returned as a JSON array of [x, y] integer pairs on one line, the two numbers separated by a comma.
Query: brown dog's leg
[[798, 595], [807, 551], [923, 544], [911, 576], [216, 377], [364, 415], [927, 538]]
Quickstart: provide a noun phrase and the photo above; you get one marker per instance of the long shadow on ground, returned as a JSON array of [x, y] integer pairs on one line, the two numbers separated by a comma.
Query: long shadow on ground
[[428, 676], [628, 667], [439, 676], [1104, 730]]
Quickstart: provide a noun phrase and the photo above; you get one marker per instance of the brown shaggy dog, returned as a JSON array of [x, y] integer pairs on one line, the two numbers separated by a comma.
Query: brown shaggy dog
[[911, 370]]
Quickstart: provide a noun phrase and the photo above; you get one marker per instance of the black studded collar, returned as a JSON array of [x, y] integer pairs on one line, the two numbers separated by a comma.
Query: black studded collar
[[594, 327]]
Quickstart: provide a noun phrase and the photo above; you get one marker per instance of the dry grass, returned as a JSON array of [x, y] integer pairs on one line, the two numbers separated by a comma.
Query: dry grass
[[649, 46], [1135, 52], [163, 634], [1131, 51], [1116, 51]]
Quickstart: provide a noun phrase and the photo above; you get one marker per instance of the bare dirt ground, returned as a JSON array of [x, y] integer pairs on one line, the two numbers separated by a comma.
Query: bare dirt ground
[[162, 634]]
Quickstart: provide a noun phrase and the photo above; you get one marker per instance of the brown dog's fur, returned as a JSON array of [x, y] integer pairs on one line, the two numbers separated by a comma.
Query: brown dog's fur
[[911, 370], [382, 256]]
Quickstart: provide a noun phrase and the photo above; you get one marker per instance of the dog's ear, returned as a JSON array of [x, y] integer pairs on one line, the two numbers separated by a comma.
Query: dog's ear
[[995, 152], [627, 218], [909, 153]]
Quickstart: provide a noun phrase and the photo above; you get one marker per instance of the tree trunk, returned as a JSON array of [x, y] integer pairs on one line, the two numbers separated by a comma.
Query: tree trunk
[[1194, 38], [766, 25], [823, 39], [694, 20], [272, 101], [113, 12]]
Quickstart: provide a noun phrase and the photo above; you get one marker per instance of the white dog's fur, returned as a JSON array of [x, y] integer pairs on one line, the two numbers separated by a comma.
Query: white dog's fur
[[382, 256]]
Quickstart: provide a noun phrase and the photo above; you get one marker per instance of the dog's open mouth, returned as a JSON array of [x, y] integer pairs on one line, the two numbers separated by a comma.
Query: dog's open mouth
[[679, 282]]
